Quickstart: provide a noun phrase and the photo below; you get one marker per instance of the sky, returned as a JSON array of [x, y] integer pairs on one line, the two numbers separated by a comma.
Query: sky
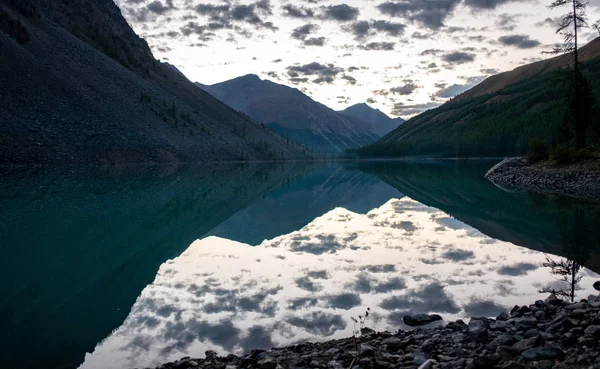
[[400, 56]]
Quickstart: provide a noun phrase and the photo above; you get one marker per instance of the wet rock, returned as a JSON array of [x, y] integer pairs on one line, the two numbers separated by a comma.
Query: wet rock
[[365, 363], [332, 351], [543, 353], [593, 331], [334, 364], [393, 344], [267, 363], [524, 324], [366, 351], [527, 343], [429, 364], [420, 319], [503, 316], [210, 354], [314, 364], [532, 333], [478, 329], [511, 365], [540, 315]]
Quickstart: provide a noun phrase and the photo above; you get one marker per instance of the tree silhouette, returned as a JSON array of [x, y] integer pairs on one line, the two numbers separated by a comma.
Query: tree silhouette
[[569, 27], [567, 271]]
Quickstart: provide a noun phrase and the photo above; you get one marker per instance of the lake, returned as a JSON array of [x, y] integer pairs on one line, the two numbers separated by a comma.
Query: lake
[[132, 267]]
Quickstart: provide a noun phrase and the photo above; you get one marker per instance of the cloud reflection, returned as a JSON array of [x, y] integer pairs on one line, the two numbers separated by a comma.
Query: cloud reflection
[[400, 258]]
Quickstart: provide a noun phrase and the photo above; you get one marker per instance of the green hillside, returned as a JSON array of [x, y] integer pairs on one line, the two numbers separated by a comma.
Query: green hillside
[[501, 123]]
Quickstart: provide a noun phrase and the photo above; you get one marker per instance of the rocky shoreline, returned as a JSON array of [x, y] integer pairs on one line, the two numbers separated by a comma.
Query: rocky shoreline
[[580, 180], [547, 334]]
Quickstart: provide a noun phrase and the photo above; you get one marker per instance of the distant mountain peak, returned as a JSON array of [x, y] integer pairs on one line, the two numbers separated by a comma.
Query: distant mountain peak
[[381, 122]]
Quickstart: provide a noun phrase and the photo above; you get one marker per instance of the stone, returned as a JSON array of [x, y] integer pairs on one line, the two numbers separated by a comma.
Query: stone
[[503, 316], [593, 330], [231, 366], [502, 340], [543, 353], [192, 363], [332, 351], [577, 305], [366, 351], [267, 363], [419, 358], [314, 364], [428, 345], [393, 344], [597, 285], [420, 319], [524, 324], [334, 364], [527, 343], [365, 363], [210, 354], [568, 339], [540, 315], [532, 333], [478, 329], [540, 304], [553, 300], [366, 331], [511, 365], [429, 364]]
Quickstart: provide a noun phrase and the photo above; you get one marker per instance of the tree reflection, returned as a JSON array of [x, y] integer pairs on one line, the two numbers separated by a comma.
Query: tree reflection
[[577, 237]]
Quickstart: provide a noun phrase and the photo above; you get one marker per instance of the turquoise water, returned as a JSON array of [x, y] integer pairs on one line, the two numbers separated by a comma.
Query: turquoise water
[[131, 267]]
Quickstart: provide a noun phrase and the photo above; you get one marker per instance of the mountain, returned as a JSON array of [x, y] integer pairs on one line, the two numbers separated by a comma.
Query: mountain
[[293, 114], [79, 86], [498, 117], [380, 121]]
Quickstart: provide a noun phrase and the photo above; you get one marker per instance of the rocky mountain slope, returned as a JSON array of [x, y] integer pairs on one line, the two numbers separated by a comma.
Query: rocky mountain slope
[[380, 121], [498, 117], [79, 86], [293, 114]]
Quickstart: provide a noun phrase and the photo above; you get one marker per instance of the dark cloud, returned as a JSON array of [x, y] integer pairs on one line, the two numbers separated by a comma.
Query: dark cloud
[[319, 323], [431, 298], [302, 302], [362, 29], [517, 269], [227, 14], [487, 4], [307, 284], [315, 41], [378, 46], [351, 80], [340, 13], [408, 88], [552, 22], [458, 255], [452, 90], [430, 13], [401, 109], [485, 308], [324, 73], [318, 274], [294, 11], [258, 337], [383, 268], [519, 41], [489, 71], [301, 32], [507, 22], [458, 57], [344, 301], [433, 52], [157, 7]]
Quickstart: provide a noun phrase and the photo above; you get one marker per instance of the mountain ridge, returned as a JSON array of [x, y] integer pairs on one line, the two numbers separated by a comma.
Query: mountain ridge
[[82, 87], [293, 114], [498, 117], [382, 123]]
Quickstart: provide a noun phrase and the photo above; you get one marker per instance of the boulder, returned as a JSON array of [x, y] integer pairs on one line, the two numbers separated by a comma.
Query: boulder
[[420, 319], [478, 329], [543, 353]]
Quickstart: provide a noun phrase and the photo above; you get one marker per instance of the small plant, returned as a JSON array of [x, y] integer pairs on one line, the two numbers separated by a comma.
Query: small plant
[[538, 151], [359, 324]]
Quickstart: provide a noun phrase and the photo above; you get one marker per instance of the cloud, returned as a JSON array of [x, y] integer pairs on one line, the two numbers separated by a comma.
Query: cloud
[[315, 41], [430, 13], [517, 269], [362, 29], [458, 255], [344, 301], [340, 13], [318, 323], [431, 298], [227, 14], [458, 57], [157, 7], [408, 88], [301, 32], [519, 41], [324, 73], [378, 46], [487, 4], [485, 308], [400, 109], [294, 11]]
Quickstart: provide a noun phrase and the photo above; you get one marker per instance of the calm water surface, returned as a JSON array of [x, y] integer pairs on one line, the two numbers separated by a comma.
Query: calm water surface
[[131, 268]]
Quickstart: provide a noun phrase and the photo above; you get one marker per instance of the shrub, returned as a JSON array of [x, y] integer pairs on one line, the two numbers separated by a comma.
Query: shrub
[[538, 151], [564, 154]]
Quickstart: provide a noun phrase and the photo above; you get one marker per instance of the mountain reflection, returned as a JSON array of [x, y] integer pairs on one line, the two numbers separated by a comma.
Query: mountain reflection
[[402, 257]]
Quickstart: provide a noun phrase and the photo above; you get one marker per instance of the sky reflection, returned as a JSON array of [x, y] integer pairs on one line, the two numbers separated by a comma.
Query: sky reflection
[[401, 257]]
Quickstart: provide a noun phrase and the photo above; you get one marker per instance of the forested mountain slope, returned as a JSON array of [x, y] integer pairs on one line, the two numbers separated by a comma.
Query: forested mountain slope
[[79, 86], [498, 117], [294, 114], [380, 121]]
